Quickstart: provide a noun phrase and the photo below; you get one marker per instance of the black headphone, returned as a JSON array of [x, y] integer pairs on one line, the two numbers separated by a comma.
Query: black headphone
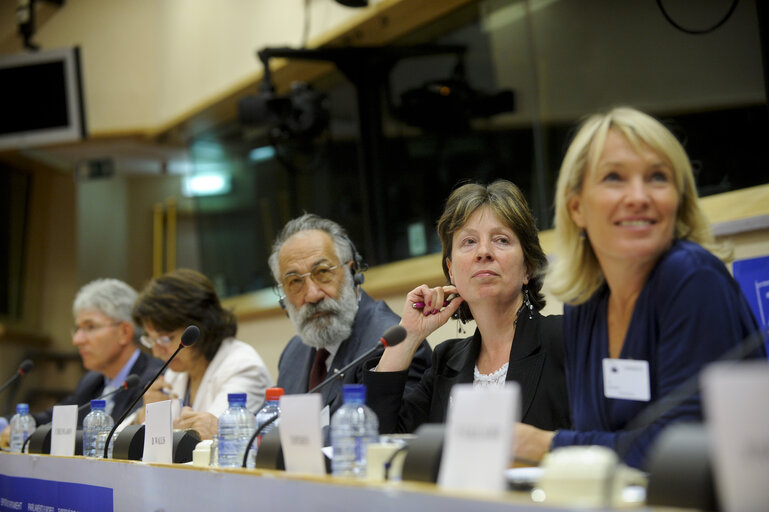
[[358, 267]]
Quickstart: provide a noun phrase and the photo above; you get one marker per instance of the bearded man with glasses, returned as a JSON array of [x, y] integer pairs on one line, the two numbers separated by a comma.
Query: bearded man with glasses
[[318, 273], [106, 338]]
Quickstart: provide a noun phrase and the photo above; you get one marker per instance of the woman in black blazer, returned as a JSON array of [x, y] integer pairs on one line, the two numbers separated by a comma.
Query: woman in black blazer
[[494, 264]]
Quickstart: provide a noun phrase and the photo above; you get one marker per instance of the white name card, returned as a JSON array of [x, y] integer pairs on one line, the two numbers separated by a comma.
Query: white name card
[[300, 434], [735, 403], [158, 439], [63, 427], [479, 437]]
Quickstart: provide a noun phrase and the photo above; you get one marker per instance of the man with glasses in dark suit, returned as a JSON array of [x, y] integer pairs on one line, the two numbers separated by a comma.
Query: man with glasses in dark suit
[[106, 338], [318, 272]]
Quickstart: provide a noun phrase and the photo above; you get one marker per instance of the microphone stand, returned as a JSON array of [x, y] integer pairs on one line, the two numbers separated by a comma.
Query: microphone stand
[[20, 372], [338, 374], [146, 387], [635, 428], [10, 381]]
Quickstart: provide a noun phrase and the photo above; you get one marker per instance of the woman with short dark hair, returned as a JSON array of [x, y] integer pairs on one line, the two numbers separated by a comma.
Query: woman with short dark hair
[[493, 260], [217, 364]]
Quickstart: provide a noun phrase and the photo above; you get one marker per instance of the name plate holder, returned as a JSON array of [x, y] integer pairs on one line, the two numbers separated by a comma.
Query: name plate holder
[[300, 434], [63, 430], [734, 399], [158, 443], [479, 437]]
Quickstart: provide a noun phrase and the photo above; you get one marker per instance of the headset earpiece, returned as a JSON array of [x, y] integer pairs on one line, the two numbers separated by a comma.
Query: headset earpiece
[[358, 266]]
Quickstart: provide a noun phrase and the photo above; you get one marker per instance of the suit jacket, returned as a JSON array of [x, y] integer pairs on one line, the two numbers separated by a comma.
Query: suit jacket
[[536, 363], [92, 385], [371, 321]]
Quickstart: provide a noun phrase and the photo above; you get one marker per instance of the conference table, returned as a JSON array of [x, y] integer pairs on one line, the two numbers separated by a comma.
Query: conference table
[[44, 483]]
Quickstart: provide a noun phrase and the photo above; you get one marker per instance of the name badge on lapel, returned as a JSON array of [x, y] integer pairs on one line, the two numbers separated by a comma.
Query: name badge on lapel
[[627, 379]]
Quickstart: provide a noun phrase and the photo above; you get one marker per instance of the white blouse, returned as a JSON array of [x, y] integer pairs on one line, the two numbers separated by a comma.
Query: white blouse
[[491, 380]]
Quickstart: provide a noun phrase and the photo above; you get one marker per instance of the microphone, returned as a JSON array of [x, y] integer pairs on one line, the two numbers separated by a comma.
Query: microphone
[[390, 338], [664, 462], [24, 368], [743, 350], [189, 337]]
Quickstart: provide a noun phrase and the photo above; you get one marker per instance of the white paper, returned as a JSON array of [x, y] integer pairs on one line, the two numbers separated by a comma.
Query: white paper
[[737, 412], [176, 408], [63, 427], [300, 434], [627, 379], [479, 437], [158, 439]]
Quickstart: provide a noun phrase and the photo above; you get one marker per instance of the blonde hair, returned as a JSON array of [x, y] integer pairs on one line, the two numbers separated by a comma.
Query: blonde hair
[[576, 274]]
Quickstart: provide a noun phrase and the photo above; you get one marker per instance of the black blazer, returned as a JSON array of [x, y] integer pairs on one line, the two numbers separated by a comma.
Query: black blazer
[[536, 363], [92, 385], [371, 321]]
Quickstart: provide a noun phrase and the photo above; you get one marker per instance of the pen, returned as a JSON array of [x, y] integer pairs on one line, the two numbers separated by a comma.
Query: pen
[[421, 305]]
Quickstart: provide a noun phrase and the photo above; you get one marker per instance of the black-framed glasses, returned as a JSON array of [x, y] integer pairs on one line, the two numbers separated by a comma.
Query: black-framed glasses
[[89, 329], [149, 341], [322, 274]]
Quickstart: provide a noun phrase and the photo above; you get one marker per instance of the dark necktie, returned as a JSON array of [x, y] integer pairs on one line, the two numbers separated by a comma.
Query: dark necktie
[[318, 371]]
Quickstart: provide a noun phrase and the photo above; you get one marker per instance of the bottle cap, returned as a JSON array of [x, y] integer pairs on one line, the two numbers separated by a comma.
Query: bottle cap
[[22, 408], [274, 394], [236, 398], [355, 393], [98, 404]]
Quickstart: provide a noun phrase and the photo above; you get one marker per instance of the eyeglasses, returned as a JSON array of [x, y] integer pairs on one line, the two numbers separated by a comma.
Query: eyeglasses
[[322, 274], [89, 329], [149, 341]]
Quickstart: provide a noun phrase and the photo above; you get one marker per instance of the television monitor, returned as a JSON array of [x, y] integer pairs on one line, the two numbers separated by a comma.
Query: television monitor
[[41, 99]]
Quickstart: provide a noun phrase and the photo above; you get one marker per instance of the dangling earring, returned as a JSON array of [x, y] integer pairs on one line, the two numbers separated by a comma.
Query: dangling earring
[[460, 329], [527, 302], [461, 319], [582, 235]]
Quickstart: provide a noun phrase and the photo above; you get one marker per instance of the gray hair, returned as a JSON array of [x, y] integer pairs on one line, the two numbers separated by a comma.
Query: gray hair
[[111, 297], [307, 222]]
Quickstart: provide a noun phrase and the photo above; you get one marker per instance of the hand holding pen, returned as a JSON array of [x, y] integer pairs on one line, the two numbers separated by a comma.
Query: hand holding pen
[[430, 301], [159, 390], [446, 302]]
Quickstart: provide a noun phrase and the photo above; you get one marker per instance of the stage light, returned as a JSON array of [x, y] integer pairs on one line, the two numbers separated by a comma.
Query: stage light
[[261, 154], [209, 184]]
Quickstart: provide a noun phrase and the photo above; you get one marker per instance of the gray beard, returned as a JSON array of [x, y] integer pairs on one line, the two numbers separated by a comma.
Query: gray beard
[[334, 326]]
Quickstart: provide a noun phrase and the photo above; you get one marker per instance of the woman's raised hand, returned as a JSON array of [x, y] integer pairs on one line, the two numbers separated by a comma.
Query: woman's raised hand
[[423, 313], [427, 309]]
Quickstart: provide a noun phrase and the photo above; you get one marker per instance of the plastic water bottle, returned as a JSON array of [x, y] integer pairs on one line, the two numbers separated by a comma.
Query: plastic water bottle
[[236, 426], [353, 427], [271, 408], [96, 427], [22, 425]]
